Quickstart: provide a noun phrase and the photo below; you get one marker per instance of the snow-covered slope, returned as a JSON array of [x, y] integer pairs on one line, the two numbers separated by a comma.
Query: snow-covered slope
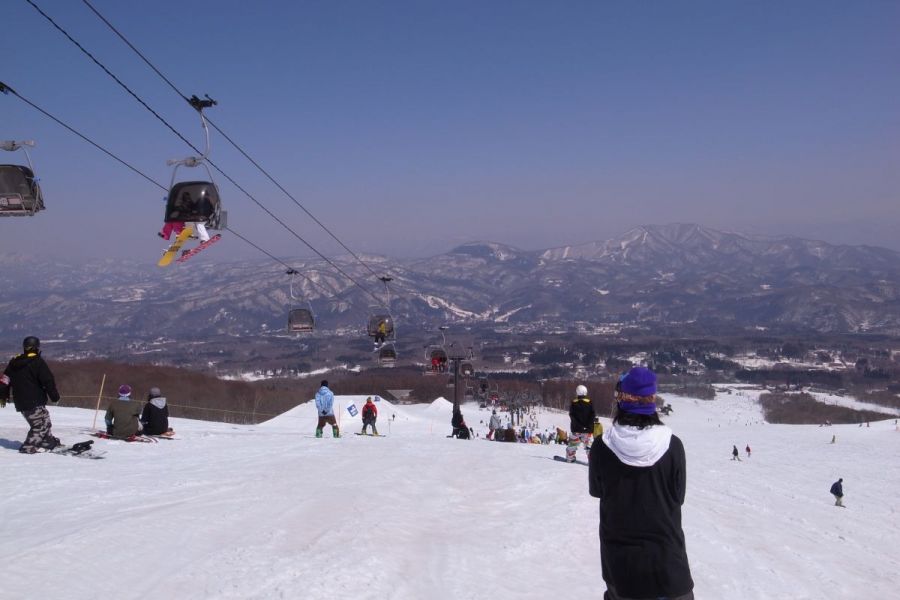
[[269, 511]]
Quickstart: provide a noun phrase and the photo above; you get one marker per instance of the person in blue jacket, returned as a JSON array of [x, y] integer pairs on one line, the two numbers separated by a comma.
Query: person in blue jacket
[[325, 407]]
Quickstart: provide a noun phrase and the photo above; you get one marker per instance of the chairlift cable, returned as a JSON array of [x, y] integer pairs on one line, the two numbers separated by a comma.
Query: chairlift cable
[[227, 137], [6, 89], [186, 141]]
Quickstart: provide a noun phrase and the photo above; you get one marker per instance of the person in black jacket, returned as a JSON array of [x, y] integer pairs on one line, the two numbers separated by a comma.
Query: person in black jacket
[[155, 416], [837, 490], [581, 423], [32, 383], [637, 470]]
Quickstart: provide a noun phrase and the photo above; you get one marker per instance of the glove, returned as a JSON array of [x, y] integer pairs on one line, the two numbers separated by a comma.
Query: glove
[[2, 402], [324, 413], [54, 402]]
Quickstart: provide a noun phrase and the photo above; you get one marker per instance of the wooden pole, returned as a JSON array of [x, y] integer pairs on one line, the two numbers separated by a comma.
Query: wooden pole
[[99, 397]]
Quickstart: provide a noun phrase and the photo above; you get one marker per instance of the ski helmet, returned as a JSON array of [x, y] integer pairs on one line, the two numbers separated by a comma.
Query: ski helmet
[[581, 391], [31, 343]]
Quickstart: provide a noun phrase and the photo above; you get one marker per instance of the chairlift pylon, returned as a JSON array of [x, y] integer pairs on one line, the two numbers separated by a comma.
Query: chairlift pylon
[[20, 193]]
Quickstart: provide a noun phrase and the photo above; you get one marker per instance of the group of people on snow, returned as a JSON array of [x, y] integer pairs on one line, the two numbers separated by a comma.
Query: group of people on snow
[[28, 379], [126, 419]]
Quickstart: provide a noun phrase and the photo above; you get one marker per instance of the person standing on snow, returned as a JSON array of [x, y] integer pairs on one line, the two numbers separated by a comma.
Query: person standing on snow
[[155, 416], [122, 416], [325, 407], [748, 450], [735, 455], [837, 490], [581, 423], [32, 384], [493, 424], [369, 415], [637, 470]]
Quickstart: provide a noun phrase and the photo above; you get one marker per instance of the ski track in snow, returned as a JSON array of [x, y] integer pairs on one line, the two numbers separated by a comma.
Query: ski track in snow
[[269, 511]]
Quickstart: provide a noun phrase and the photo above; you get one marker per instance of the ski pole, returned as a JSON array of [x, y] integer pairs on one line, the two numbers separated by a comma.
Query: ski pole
[[99, 396]]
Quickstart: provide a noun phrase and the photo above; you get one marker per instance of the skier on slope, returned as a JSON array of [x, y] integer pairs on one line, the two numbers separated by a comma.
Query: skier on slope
[[735, 455], [155, 416], [122, 416], [581, 423], [325, 408], [837, 490], [637, 470], [32, 384], [493, 424], [369, 416]]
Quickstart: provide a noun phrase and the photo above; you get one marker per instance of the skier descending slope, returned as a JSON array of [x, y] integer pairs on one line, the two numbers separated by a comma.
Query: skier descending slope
[[325, 406], [637, 471]]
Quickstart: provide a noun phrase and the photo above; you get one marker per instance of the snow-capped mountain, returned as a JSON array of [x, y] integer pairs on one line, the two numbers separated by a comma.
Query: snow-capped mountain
[[651, 276]]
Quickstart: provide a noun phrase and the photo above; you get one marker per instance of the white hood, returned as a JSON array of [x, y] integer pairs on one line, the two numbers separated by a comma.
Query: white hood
[[638, 447], [158, 402]]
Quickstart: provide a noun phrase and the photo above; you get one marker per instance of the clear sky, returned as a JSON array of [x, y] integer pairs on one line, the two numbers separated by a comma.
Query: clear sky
[[410, 127]]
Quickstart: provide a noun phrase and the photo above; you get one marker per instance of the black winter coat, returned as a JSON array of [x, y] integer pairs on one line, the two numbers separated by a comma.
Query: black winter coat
[[837, 489], [581, 416], [155, 420], [31, 382], [642, 549]]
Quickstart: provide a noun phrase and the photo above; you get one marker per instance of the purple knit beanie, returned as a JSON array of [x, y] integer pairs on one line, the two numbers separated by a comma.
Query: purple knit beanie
[[639, 381], [124, 390]]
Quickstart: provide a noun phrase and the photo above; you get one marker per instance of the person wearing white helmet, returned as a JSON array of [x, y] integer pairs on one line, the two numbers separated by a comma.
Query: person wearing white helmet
[[581, 423]]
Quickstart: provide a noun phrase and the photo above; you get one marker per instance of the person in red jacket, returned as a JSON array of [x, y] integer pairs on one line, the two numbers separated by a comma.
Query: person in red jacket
[[369, 416]]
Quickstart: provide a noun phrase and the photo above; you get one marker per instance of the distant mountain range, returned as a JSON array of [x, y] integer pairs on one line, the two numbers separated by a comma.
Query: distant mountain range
[[668, 276]]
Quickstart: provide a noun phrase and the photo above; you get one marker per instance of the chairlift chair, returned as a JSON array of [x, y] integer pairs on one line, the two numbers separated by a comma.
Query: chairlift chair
[[195, 201], [378, 316], [466, 369], [387, 355], [300, 319], [20, 193]]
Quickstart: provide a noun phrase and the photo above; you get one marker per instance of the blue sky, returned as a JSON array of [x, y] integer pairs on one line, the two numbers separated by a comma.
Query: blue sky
[[411, 127]]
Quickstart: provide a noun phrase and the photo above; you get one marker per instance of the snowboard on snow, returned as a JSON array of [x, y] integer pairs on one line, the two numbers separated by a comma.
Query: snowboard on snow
[[563, 459], [135, 438], [371, 434], [80, 450], [189, 253], [169, 254]]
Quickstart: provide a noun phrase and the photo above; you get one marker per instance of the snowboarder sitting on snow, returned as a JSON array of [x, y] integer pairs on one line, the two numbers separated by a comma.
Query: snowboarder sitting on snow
[[637, 470], [122, 415], [325, 407], [155, 416], [369, 415], [581, 416], [32, 384], [837, 490]]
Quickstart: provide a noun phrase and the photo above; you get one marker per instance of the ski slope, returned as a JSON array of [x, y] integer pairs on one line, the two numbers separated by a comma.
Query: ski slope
[[269, 511]]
